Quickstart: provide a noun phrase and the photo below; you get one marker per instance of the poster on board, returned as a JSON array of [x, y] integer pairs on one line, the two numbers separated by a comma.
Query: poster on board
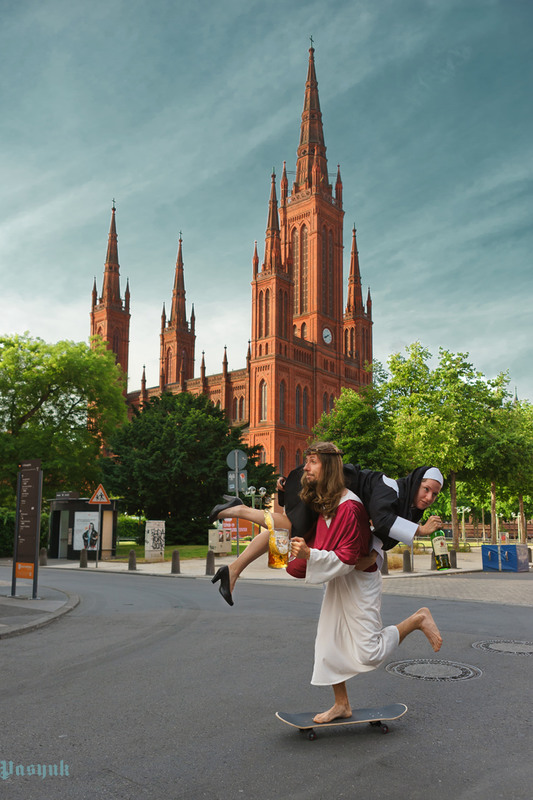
[[86, 530]]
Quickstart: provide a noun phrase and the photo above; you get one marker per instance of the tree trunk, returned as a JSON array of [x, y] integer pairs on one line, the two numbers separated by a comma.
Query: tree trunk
[[493, 521], [523, 523], [453, 500]]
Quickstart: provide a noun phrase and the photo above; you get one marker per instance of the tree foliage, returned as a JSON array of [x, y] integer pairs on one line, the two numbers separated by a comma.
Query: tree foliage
[[357, 426], [447, 414], [170, 463], [59, 403]]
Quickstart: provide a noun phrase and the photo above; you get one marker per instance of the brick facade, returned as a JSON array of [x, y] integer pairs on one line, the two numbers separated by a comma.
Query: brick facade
[[304, 348]]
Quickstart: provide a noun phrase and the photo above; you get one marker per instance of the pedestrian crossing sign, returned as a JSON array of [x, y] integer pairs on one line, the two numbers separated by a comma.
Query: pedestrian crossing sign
[[99, 497]]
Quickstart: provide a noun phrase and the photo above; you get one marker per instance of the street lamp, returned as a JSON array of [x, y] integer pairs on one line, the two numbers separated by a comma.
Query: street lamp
[[463, 510]]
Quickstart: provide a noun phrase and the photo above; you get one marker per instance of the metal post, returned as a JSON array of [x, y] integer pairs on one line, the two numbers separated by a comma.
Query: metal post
[[236, 495]]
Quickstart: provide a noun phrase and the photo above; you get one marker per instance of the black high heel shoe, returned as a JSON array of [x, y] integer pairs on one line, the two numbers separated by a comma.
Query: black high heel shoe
[[222, 575], [234, 501]]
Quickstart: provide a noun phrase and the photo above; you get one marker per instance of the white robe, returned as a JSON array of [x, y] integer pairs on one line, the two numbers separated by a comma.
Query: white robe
[[350, 635]]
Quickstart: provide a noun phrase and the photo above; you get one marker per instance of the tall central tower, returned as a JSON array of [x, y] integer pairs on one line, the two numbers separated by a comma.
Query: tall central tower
[[303, 348]]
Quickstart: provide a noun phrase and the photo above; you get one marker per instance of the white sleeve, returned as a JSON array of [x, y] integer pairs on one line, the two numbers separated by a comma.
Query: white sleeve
[[323, 565], [403, 530]]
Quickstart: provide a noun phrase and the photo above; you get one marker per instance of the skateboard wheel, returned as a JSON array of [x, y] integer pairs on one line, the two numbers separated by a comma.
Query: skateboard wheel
[[384, 729], [311, 735]]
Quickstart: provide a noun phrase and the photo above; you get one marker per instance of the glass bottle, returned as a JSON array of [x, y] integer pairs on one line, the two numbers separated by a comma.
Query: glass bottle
[[440, 549]]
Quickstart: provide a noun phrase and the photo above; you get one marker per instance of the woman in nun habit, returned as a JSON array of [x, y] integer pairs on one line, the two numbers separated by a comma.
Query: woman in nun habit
[[395, 508]]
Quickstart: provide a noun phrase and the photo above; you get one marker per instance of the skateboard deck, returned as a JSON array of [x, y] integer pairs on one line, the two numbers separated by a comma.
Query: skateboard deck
[[375, 716]]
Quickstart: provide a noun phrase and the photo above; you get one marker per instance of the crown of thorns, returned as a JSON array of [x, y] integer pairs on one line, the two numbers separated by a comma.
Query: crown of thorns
[[324, 449]]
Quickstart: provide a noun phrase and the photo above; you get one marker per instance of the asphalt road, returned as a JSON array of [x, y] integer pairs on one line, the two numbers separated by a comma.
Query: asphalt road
[[155, 688]]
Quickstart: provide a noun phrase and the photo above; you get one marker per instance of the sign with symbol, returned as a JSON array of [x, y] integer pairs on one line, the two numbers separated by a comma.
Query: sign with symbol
[[99, 497]]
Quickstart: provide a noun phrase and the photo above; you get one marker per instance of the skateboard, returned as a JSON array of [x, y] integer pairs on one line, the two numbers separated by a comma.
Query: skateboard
[[375, 716]]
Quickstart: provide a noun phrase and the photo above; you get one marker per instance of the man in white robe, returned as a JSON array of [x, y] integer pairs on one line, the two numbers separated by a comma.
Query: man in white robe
[[350, 637]]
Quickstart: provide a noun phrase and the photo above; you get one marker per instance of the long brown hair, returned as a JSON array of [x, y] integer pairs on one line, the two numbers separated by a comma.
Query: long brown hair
[[325, 495]]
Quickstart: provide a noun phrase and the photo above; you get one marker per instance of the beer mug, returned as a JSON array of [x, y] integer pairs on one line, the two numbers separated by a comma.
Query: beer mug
[[278, 548]]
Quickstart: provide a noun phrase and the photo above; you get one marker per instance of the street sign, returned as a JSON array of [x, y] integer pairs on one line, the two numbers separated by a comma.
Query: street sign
[[237, 459], [99, 497], [27, 524], [241, 477]]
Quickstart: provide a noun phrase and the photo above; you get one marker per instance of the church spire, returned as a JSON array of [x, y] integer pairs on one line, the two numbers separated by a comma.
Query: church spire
[[255, 260], [311, 145], [354, 303], [177, 313], [272, 260], [111, 284]]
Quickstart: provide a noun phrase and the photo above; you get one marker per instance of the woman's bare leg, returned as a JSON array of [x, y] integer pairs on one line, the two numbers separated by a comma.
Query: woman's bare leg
[[259, 544], [340, 709], [255, 515], [257, 547]]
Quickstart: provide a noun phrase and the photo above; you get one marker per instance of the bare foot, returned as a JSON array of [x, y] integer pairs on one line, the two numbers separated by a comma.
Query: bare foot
[[335, 712], [429, 628]]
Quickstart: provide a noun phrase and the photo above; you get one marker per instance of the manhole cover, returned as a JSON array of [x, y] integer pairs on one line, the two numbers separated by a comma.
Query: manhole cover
[[426, 669], [505, 646]]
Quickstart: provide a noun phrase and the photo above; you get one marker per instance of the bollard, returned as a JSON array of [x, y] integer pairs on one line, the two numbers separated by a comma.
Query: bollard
[[453, 559], [433, 562], [210, 563], [132, 560], [385, 565], [43, 557], [407, 561], [83, 558], [175, 569]]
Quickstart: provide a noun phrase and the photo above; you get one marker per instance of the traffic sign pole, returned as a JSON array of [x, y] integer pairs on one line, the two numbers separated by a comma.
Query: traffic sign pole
[[237, 460]]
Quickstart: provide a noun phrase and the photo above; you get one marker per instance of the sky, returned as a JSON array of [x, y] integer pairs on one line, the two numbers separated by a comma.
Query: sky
[[180, 109]]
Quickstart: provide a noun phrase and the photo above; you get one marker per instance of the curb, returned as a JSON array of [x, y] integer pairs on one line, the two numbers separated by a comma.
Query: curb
[[15, 630]]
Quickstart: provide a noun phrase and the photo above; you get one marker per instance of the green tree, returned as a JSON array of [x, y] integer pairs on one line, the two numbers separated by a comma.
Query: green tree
[[356, 425], [503, 457], [438, 415], [58, 402], [170, 463]]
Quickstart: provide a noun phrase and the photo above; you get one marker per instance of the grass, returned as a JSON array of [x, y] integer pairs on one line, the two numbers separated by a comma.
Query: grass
[[186, 551]]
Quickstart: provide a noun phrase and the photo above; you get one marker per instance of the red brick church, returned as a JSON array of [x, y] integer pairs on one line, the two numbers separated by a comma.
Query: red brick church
[[303, 348]]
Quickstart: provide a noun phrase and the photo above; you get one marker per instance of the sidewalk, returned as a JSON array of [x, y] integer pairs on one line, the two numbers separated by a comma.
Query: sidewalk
[[22, 613], [259, 569]]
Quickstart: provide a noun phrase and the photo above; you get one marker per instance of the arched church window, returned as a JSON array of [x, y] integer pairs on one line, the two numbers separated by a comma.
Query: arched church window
[[305, 277], [296, 269], [261, 312], [263, 400], [281, 461], [298, 405], [330, 274], [324, 265], [267, 312]]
